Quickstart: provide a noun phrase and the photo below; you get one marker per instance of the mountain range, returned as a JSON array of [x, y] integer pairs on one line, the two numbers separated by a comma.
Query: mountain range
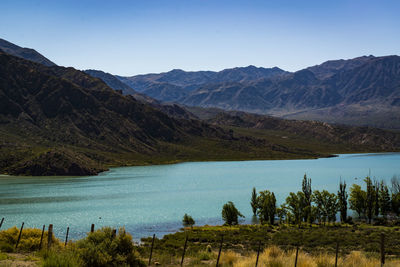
[[61, 121], [362, 91]]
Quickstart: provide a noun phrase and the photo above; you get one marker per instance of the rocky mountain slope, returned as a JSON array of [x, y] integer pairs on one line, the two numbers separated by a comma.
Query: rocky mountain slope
[[26, 53], [60, 121]]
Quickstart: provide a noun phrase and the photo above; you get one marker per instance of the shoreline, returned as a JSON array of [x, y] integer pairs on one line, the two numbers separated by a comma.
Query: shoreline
[[143, 164]]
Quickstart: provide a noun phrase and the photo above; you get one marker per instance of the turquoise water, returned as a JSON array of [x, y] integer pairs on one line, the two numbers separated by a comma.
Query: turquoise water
[[153, 199]]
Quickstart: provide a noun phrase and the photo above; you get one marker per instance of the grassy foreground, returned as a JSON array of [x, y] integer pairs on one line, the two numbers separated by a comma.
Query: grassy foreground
[[359, 245]]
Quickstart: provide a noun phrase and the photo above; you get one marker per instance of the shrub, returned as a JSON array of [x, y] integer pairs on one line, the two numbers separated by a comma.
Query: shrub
[[230, 214], [6, 247], [102, 248], [204, 256], [30, 239], [188, 221]]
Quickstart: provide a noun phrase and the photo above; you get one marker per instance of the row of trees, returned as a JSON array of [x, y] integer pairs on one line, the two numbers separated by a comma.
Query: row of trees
[[377, 200], [322, 206]]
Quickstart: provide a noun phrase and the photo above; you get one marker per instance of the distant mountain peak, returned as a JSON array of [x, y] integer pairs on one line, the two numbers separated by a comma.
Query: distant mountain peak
[[176, 71], [25, 53]]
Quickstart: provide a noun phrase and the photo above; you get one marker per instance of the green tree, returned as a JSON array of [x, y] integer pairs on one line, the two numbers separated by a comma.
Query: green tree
[[266, 206], [281, 212], [307, 191], [370, 200], [295, 204], [395, 204], [395, 190], [188, 221], [342, 201], [331, 205], [384, 199], [326, 205], [357, 200], [253, 201], [230, 213], [377, 187], [395, 184]]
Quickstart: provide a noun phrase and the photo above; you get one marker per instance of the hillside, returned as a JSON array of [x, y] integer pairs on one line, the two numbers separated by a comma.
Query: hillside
[[48, 113], [313, 131], [111, 81], [25, 53]]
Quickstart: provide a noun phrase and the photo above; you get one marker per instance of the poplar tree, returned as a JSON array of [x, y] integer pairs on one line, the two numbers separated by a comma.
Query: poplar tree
[[307, 191], [376, 198], [295, 204], [253, 201], [384, 199], [370, 199], [358, 199], [395, 190], [342, 201], [266, 207]]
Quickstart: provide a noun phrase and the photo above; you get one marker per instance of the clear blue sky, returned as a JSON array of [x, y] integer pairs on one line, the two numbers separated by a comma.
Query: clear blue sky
[[132, 37]]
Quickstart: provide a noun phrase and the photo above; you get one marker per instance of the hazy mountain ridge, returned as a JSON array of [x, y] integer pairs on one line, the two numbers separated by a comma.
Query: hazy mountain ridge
[[177, 84], [331, 67], [360, 91], [170, 109], [26, 53], [111, 81]]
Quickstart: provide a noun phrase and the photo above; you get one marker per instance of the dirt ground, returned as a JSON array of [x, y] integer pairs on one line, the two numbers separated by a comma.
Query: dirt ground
[[18, 259]]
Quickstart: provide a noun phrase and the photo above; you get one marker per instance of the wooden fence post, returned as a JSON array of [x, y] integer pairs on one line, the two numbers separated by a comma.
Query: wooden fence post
[[49, 236], [66, 237], [337, 252], [258, 252], [297, 255], [1, 223], [151, 250], [220, 249], [19, 236], [92, 228], [382, 249], [184, 249], [41, 237]]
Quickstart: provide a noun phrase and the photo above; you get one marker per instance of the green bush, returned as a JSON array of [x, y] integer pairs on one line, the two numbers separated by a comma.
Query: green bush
[[102, 248], [30, 239], [5, 247]]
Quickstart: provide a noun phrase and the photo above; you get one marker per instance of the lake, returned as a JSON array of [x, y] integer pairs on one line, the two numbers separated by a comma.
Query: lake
[[153, 199]]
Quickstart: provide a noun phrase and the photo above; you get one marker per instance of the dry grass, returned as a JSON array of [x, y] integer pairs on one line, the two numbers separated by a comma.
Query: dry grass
[[276, 257], [229, 258]]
